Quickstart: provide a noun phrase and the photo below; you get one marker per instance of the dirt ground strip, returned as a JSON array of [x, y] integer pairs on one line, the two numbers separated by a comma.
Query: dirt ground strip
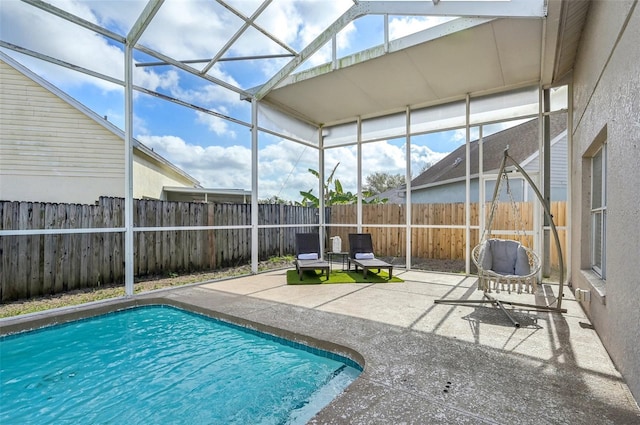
[[150, 283]]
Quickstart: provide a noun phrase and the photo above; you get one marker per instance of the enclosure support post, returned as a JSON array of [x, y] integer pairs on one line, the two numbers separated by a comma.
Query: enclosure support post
[[546, 184], [128, 170], [407, 179], [322, 200], [467, 184], [254, 186], [359, 176]]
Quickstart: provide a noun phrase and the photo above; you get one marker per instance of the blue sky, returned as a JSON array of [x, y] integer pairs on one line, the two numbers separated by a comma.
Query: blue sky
[[213, 150]]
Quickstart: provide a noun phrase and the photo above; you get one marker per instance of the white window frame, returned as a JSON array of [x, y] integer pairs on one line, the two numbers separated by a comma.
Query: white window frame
[[599, 213]]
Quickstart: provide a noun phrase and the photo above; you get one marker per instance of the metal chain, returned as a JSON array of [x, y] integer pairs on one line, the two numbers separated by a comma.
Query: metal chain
[[516, 210]]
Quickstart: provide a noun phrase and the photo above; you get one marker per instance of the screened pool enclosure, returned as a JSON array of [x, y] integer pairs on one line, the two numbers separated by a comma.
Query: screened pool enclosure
[[426, 78]]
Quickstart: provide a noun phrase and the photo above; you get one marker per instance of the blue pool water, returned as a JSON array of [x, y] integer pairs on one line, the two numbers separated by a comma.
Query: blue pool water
[[163, 365]]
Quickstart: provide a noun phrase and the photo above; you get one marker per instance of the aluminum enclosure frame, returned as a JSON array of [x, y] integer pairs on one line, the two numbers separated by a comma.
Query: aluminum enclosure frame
[[475, 13]]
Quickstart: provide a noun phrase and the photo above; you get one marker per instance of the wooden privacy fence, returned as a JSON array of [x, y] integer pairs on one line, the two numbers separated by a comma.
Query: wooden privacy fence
[[33, 265], [434, 239]]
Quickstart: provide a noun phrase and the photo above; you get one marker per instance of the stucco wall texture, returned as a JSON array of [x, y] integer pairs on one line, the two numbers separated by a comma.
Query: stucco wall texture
[[607, 103]]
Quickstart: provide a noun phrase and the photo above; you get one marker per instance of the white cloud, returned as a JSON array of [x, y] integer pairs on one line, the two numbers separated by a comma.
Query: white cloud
[[218, 126], [299, 22], [169, 80], [188, 29], [283, 166], [403, 26], [460, 136], [422, 157], [214, 166], [281, 171], [209, 95]]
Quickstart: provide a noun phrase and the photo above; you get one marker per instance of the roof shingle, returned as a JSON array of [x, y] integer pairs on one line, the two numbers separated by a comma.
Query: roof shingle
[[521, 139]]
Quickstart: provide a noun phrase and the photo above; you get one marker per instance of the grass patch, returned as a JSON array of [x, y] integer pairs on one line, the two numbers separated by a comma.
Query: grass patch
[[310, 277]]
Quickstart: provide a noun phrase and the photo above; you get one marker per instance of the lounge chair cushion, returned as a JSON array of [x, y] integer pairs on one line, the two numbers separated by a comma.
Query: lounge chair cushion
[[504, 253], [308, 256], [364, 256], [522, 262]]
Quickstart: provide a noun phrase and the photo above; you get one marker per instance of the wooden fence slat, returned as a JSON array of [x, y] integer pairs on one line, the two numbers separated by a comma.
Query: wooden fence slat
[[36, 221], [158, 264], [107, 240], [24, 247], [118, 259], [97, 244], [86, 221], [10, 257], [77, 249], [49, 251], [179, 239]]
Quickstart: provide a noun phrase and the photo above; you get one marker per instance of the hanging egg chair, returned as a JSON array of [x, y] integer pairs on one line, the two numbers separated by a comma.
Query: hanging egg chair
[[505, 264]]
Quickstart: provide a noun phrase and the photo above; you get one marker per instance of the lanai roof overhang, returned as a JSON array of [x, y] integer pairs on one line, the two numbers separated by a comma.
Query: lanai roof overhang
[[491, 46]]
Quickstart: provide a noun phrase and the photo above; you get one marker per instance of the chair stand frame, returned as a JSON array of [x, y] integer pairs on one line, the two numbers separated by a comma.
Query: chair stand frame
[[500, 304], [495, 301]]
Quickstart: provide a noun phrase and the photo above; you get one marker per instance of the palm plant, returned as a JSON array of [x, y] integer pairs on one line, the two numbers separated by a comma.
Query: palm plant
[[334, 195]]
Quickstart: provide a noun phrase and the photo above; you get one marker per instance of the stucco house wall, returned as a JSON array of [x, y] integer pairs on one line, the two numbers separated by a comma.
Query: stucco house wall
[[53, 149], [607, 109]]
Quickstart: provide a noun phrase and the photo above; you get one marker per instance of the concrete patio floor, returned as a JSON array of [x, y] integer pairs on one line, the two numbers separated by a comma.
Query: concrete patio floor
[[427, 363]]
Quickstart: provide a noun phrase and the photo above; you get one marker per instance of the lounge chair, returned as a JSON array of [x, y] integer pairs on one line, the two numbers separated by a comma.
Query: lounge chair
[[361, 254], [308, 254]]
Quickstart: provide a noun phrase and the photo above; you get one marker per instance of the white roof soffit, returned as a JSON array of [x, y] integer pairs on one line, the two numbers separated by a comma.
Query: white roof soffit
[[481, 51], [487, 9]]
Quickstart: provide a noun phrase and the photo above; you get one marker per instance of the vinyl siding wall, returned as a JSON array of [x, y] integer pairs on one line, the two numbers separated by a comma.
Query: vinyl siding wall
[[149, 178], [559, 172], [49, 150]]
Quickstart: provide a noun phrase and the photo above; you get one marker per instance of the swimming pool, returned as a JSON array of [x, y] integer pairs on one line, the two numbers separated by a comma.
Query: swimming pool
[[161, 364]]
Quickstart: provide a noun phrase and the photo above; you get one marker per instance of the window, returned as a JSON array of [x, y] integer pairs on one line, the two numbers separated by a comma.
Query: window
[[599, 211]]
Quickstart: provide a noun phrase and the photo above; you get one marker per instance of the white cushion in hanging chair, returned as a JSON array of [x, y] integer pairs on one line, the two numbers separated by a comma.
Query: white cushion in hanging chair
[[506, 257], [504, 253], [523, 267], [486, 256], [505, 265]]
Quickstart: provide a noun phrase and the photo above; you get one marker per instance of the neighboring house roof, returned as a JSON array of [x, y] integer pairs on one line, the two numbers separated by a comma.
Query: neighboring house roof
[[187, 194], [396, 195], [137, 145], [523, 142]]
